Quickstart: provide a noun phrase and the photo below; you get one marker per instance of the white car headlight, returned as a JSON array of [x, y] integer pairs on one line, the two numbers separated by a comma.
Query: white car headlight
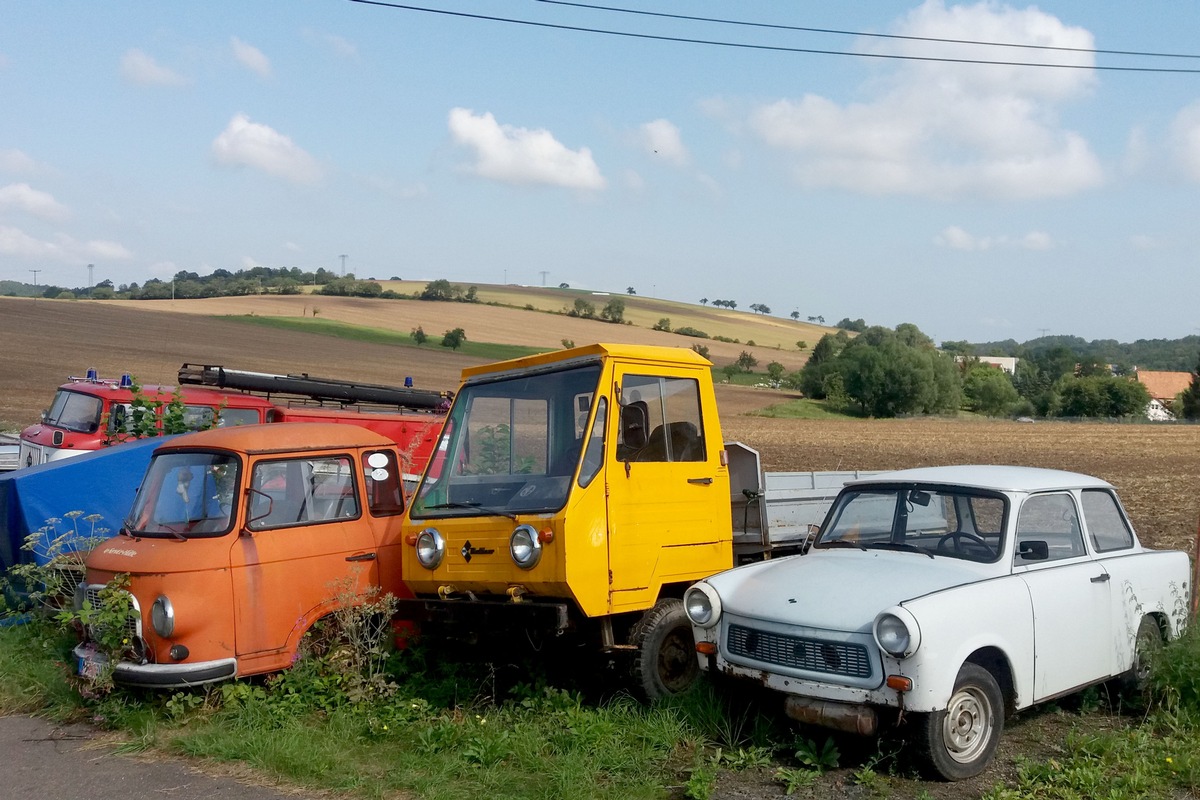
[[703, 605], [897, 633], [431, 547], [525, 547], [162, 616]]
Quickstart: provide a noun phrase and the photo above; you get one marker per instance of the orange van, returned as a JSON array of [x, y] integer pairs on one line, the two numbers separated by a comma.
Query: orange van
[[239, 540]]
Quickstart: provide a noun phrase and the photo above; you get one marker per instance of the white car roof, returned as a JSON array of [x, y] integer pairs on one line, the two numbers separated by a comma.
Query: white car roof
[[988, 476]]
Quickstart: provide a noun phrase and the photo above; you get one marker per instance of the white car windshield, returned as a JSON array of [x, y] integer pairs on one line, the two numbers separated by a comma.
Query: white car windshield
[[935, 521]]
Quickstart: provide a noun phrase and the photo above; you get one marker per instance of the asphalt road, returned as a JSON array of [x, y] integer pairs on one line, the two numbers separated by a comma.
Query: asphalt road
[[44, 761]]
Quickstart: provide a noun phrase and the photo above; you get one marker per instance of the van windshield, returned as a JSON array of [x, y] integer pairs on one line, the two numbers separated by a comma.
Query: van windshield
[[184, 495]]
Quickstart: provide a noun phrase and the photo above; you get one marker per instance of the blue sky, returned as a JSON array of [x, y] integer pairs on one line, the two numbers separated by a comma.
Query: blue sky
[[979, 202]]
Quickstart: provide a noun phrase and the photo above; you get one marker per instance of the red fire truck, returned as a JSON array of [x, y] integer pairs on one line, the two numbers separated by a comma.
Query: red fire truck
[[88, 413]]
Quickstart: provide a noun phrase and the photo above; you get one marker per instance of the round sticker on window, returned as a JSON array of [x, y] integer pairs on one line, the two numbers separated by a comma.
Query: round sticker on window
[[379, 474], [377, 460]]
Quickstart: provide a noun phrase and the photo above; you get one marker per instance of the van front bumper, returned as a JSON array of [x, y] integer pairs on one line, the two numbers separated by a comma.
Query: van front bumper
[[159, 676]]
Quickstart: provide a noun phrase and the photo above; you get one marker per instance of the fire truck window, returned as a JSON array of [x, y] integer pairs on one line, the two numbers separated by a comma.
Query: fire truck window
[[75, 412], [672, 429], [302, 491], [385, 496], [230, 417], [197, 418]]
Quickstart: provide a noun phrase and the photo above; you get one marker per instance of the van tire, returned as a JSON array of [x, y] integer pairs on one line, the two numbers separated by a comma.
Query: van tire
[[665, 662]]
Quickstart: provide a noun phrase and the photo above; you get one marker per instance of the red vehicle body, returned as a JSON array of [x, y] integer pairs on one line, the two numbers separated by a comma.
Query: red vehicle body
[[86, 413]]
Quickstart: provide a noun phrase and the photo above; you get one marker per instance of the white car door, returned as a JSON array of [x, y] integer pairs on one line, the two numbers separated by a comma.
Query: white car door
[[1071, 596]]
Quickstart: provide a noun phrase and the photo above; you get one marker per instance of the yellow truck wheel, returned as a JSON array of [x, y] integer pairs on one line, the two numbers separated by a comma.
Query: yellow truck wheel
[[665, 662]]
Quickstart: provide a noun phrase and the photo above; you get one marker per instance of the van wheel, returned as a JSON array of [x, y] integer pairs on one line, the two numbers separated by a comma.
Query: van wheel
[[665, 662], [1146, 648], [958, 743]]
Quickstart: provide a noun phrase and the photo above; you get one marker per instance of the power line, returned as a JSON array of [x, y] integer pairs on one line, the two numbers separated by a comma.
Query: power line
[[766, 47], [837, 32]]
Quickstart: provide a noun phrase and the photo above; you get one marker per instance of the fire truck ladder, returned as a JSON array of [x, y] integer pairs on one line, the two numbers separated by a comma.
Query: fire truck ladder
[[319, 389]]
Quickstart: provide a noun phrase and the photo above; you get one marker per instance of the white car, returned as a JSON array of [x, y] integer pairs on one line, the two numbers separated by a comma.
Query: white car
[[950, 596]]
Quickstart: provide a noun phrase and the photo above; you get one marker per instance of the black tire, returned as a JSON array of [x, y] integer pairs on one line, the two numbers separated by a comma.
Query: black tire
[[665, 663], [1146, 647], [959, 742]]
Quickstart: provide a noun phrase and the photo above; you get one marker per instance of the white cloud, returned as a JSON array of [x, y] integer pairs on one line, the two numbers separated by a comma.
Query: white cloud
[[522, 156], [23, 197], [250, 57], [252, 144], [15, 242], [1185, 140], [661, 139], [340, 46], [139, 68], [16, 161], [956, 238], [948, 130]]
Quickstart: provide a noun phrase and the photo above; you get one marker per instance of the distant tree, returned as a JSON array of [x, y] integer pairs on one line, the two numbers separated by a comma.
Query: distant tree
[[820, 320], [729, 371], [731, 304], [614, 311], [441, 289], [419, 336], [1102, 396], [582, 309], [454, 339], [775, 371], [961, 348], [630, 290], [663, 324], [847, 324], [103, 293], [564, 286], [801, 345], [472, 295], [795, 315], [703, 301], [568, 344], [812, 319], [989, 390], [760, 308], [1190, 400], [701, 349], [746, 361]]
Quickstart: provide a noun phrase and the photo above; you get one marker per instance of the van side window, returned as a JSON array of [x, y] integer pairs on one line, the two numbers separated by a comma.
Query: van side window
[[385, 495], [1048, 529], [302, 491], [660, 420], [1105, 522]]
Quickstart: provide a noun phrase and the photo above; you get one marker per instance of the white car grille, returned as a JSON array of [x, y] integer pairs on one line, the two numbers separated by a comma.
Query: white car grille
[[800, 653]]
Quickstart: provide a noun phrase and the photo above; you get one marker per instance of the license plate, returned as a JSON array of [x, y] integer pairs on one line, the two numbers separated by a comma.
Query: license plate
[[91, 663]]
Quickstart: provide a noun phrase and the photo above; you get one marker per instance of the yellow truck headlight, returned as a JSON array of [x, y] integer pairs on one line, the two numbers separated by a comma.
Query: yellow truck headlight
[[431, 548], [525, 547]]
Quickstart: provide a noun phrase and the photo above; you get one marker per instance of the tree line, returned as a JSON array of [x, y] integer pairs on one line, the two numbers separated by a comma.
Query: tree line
[[887, 373]]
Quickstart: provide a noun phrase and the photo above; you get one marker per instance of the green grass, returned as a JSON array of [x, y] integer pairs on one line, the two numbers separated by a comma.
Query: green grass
[[488, 351], [801, 408], [446, 729]]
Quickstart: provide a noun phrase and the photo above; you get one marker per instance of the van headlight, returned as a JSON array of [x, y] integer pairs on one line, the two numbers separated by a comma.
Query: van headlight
[[162, 616], [431, 547], [703, 605], [525, 547], [897, 633]]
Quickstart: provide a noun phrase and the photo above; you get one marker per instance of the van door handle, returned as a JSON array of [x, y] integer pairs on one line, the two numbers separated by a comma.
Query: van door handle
[[361, 557], [700, 481], [1101, 578]]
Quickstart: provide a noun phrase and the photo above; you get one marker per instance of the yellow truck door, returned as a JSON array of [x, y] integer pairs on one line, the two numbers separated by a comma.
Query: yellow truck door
[[668, 492]]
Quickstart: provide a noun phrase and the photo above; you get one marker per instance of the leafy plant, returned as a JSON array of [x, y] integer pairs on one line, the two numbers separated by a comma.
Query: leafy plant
[[820, 757], [795, 779]]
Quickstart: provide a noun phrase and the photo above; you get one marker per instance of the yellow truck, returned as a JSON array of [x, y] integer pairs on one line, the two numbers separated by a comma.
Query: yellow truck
[[583, 491]]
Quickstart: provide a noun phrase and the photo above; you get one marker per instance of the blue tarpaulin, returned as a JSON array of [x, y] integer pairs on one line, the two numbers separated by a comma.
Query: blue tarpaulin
[[102, 483]]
